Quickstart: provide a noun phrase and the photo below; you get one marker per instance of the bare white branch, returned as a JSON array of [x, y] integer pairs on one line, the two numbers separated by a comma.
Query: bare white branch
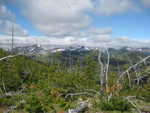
[[12, 56], [77, 94], [132, 67], [7, 57], [133, 104], [129, 78], [10, 94], [101, 75], [107, 66]]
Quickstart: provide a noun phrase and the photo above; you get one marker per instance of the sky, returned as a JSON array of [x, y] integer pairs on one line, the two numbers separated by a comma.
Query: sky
[[94, 23]]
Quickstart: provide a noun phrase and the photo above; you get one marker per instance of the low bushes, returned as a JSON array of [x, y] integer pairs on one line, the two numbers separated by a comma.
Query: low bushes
[[115, 104]]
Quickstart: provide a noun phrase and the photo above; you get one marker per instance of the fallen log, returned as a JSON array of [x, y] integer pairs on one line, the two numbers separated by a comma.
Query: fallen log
[[78, 94], [10, 94]]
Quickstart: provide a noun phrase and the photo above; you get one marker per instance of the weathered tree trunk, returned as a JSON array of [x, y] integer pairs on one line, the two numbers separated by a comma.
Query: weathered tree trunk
[[104, 71]]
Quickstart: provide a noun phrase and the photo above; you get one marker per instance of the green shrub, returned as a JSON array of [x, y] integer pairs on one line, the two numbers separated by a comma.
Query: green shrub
[[145, 95], [115, 104], [33, 105], [6, 102], [9, 101]]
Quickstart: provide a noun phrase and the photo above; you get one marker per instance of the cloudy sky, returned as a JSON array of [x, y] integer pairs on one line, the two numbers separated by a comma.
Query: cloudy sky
[[116, 23]]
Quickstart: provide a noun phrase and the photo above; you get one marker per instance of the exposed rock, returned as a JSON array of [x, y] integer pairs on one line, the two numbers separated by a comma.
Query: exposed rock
[[82, 107]]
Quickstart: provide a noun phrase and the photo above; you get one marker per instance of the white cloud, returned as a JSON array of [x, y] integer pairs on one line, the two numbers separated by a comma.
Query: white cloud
[[110, 7], [6, 28], [97, 41], [146, 3], [7, 19], [68, 20], [57, 17], [69, 17], [92, 32], [97, 31]]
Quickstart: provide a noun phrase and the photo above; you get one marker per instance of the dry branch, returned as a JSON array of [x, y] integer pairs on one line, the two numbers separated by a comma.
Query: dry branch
[[11, 94], [78, 94], [12, 56], [101, 75], [133, 104], [7, 57], [107, 66], [132, 67], [94, 91], [129, 78], [104, 70]]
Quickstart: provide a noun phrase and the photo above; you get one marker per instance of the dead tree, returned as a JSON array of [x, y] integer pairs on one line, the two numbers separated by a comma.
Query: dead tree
[[133, 67], [101, 75], [104, 70], [140, 81], [12, 41], [7, 57], [137, 74], [12, 56], [133, 104]]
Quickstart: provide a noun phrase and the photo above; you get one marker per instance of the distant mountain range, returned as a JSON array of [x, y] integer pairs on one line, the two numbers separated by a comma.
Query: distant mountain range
[[146, 50], [71, 48], [34, 49]]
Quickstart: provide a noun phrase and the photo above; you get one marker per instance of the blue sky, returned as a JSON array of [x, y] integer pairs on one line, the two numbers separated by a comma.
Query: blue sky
[[21, 19], [69, 18], [130, 24]]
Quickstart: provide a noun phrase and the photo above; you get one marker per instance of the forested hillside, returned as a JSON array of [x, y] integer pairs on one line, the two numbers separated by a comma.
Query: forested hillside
[[70, 82]]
